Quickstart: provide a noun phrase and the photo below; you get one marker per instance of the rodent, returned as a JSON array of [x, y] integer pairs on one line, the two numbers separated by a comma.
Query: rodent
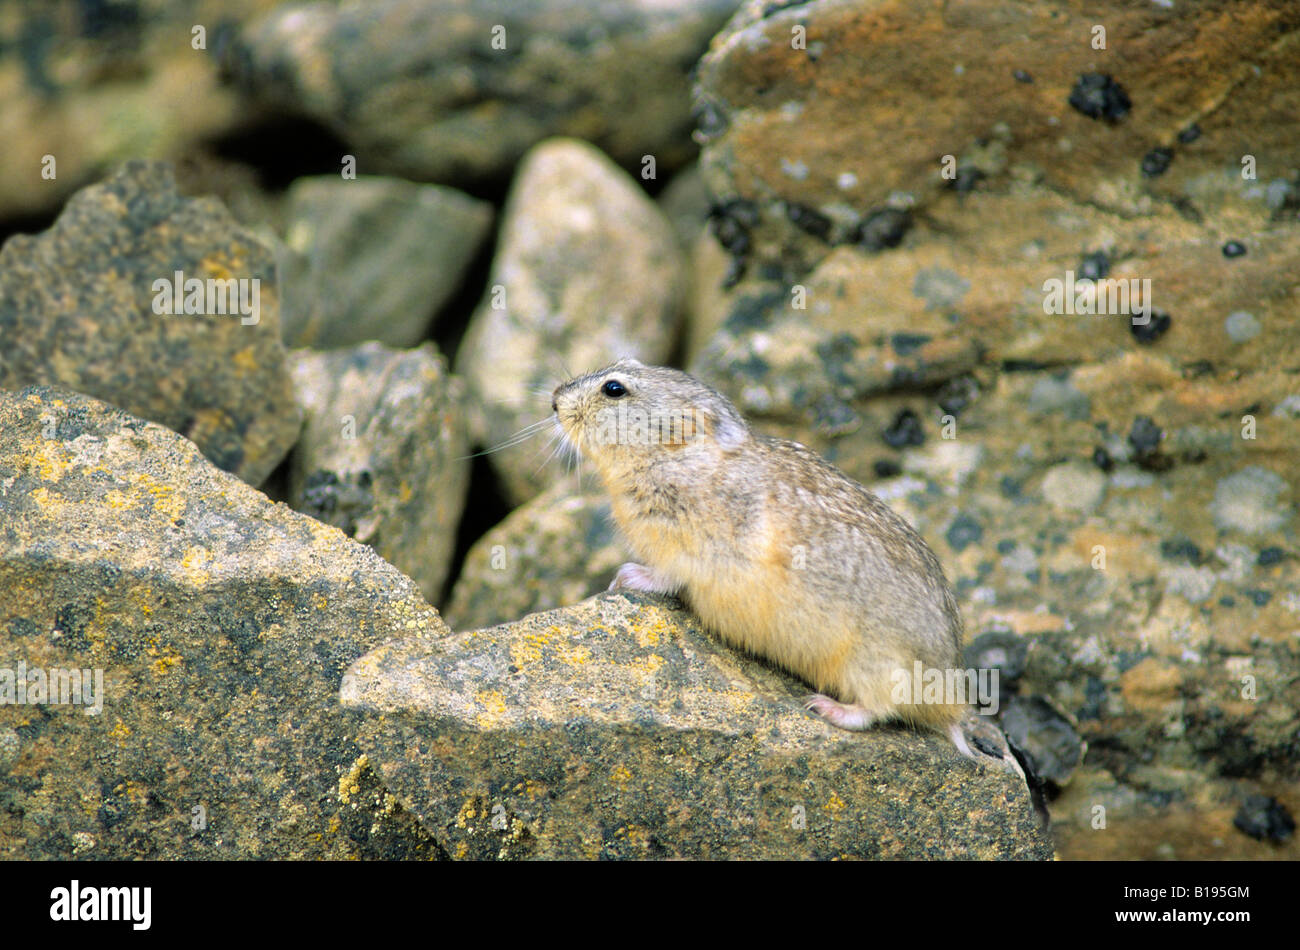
[[773, 548]]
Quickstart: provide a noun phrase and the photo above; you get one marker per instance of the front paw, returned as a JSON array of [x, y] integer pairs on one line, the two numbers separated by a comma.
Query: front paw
[[639, 577]]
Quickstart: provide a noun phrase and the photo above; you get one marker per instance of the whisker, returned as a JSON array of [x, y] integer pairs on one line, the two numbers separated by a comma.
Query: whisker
[[523, 435]]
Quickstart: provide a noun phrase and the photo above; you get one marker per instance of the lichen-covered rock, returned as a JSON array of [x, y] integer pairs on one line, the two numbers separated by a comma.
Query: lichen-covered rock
[[94, 304], [373, 258], [817, 118], [382, 454], [557, 549], [219, 625], [94, 84], [617, 728], [587, 271], [454, 90]]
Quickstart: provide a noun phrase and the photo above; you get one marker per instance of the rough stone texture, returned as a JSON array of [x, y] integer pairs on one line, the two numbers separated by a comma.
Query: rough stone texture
[[554, 550], [77, 311], [95, 84], [222, 623], [818, 138], [1173, 459], [618, 729], [373, 258], [382, 454], [419, 89], [586, 271]]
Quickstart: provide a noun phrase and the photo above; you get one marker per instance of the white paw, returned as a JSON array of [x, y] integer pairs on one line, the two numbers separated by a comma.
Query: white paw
[[633, 576]]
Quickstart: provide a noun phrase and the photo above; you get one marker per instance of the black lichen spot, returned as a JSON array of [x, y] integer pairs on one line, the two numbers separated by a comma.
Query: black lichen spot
[[1153, 329], [1234, 249], [904, 430], [887, 468], [1145, 438], [1264, 818], [1190, 134], [1021, 76], [1098, 96], [1009, 487], [731, 223], [1259, 597], [107, 17], [23, 627], [968, 176], [1101, 458], [838, 353], [957, 393], [831, 416], [1095, 265], [1227, 602], [809, 220], [1006, 546], [905, 344], [1270, 555], [1181, 549], [884, 228], [1197, 368], [753, 311], [1157, 161], [963, 532]]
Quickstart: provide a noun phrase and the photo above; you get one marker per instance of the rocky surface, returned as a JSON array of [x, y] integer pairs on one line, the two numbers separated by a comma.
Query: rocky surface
[[586, 270], [382, 453], [617, 728], [79, 308], [221, 624], [373, 258], [453, 90], [1119, 496], [96, 84], [817, 118], [557, 549]]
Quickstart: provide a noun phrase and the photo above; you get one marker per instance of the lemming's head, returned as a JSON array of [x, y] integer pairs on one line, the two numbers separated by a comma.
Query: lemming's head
[[626, 413]]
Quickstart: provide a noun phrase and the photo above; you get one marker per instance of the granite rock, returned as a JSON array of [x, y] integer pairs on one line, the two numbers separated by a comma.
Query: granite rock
[[456, 91], [217, 627], [586, 271], [80, 302], [617, 728], [373, 258], [382, 453]]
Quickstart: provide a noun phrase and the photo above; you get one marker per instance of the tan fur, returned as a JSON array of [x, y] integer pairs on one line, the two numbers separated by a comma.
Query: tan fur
[[724, 516]]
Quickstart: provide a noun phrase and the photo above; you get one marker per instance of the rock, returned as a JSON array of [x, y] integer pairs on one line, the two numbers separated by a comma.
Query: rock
[[93, 84], [454, 90], [555, 550], [1198, 438], [831, 112], [221, 625], [373, 258], [79, 309], [1265, 819], [383, 453], [617, 728], [586, 271], [685, 202]]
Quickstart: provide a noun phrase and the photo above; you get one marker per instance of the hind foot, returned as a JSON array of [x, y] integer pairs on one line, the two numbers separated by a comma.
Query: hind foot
[[844, 715]]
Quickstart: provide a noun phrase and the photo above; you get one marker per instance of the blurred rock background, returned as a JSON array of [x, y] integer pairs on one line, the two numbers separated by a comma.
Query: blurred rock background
[[841, 213]]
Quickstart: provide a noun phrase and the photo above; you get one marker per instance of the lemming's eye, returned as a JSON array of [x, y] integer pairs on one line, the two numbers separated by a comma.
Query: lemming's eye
[[613, 389]]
